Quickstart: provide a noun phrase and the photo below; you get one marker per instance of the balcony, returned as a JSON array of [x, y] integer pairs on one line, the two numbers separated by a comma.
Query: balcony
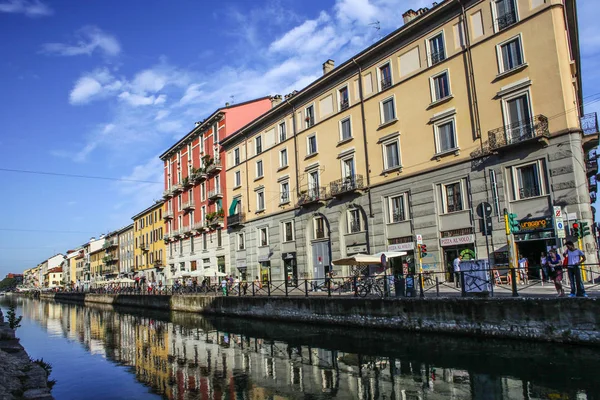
[[236, 219], [589, 126], [168, 215], [186, 230], [177, 189], [186, 183], [110, 243], [591, 165], [109, 259], [215, 220], [344, 104], [506, 20], [167, 237], [199, 226], [215, 194], [386, 83], [144, 246], [188, 206], [346, 185], [214, 167], [167, 194], [198, 176], [534, 130], [177, 233], [311, 194]]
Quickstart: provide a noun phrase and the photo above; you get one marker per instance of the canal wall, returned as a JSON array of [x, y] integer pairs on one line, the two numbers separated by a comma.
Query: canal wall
[[543, 319]]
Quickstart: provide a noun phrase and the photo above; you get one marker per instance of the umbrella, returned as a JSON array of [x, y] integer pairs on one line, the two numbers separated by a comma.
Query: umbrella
[[125, 280], [358, 259], [212, 272]]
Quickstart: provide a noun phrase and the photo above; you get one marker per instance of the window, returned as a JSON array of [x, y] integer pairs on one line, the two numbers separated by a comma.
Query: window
[[192, 244], [319, 225], [204, 241], [506, 13], [285, 192], [440, 86], [437, 52], [238, 178], [391, 154], [218, 184], [311, 145], [236, 156], [259, 169], [313, 185], [385, 76], [288, 231], [203, 191], [180, 247], [397, 209], [388, 111], [345, 129], [354, 221], [260, 200], [203, 215], [527, 181], [453, 197], [219, 238], [348, 171], [344, 98], [240, 241], [263, 236], [510, 54], [310, 116], [258, 144], [283, 158], [282, 132], [519, 125], [445, 136]]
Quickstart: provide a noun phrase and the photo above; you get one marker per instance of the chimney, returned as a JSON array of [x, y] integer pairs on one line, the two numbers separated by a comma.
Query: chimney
[[226, 105], [328, 66], [409, 15], [275, 100]]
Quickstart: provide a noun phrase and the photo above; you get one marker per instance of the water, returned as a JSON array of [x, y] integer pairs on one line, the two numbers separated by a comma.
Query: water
[[104, 353]]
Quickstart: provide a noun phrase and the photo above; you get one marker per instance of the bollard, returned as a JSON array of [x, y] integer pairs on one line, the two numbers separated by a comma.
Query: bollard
[[463, 292], [385, 284], [268, 288], [421, 292], [329, 287], [239, 290], [286, 288], [306, 287], [252, 288], [354, 283], [437, 286], [513, 280]]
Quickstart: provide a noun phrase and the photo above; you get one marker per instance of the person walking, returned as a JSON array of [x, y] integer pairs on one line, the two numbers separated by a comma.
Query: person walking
[[544, 270], [575, 258], [555, 271], [456, 267], [224, 283]]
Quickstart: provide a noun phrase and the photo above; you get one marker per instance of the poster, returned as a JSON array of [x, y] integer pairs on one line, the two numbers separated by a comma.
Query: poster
[[476, 276]]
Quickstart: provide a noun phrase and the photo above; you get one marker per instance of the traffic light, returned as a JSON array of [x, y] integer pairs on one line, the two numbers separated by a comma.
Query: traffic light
[[513, 224], [423, 250], [575, 231], [584, 230]]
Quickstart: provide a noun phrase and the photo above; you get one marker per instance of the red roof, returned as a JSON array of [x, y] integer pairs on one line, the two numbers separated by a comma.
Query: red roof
[[55, 270]]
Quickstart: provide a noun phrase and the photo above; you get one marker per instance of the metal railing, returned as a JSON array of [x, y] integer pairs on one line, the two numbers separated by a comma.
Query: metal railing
[[310, 121], [236, 219], [507, 19], [437, 57], [355, 226], [344, 104], [386, 83], [527, 192], [215, 166], [168, 215], [198, 176], [109, 243], [346, 185], [188, 205], [514, 133], [311, 194], [589, 123], [176, 188]]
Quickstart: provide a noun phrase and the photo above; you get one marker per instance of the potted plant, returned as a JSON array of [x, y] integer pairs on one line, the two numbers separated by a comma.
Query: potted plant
[[221, 213]]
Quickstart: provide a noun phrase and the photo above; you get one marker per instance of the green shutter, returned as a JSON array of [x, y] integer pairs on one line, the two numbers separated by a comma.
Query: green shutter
[[233, 206]]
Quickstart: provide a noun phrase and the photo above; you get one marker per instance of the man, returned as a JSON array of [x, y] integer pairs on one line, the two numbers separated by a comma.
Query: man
[[456, 266], [575, 258]]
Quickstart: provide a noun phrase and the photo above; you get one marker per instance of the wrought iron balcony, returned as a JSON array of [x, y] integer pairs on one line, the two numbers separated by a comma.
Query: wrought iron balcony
[[311, 194], [525, 193], [514, 134], [214, 167], [386, 83], [199, 226], [216, 220], [168, 215], [110, 243], [346, 185], [167, 194], [437, 57], [236, 219], [110, 259], [188, 206], [186, 230], [344, 104], [215, 194], [507, 19], [186, 183], [167, 237], [589, 123], [144, 246]]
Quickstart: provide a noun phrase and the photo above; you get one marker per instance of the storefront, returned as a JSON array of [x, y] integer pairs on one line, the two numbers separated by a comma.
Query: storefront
[[356, 269], [291, 267], [403, 265], [242, 269], [454, 243], [536, 236]]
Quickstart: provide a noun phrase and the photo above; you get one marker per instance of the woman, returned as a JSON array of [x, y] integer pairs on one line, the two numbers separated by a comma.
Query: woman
[[556, 272]]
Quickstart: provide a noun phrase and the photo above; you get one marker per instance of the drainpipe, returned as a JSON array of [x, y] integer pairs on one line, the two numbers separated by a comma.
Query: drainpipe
[[246, 167], [364, 129]]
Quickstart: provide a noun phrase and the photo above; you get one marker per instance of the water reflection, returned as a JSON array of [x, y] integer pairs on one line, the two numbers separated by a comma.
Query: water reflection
[[185, 356]]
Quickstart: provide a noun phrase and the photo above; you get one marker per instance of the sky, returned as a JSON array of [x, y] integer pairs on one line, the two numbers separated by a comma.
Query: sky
[[100, 88]]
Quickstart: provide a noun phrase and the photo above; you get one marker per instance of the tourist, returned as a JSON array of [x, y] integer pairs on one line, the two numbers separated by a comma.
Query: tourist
[[236, 284], [224, 286], [257, 283], [555, 271], [523, 269], [456, 267], [575, 258], [544, 271]]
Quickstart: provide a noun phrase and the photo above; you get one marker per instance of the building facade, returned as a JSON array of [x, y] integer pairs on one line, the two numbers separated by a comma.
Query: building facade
[[54, 278], [149, 246], [195, 191], [468, 103], [110, 260], [126, 250]]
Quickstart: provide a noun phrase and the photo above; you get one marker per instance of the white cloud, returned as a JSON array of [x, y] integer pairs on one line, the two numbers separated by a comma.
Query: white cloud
[[84, 90], [136, 100], [362, 11], [161, 114], [297, 35], [149, 81], [192, 94], [31, 8], [89, 39]]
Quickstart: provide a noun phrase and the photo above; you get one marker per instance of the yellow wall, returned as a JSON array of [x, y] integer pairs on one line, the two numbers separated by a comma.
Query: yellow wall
[[96, 265], [149, 229]]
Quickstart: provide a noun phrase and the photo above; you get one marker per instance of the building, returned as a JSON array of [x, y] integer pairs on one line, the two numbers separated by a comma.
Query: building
[[469, 102], [195, 190], [79, 260], [110, 260], [54, 278], [149, 251], [97, 262], [126, 250], [92, 247]]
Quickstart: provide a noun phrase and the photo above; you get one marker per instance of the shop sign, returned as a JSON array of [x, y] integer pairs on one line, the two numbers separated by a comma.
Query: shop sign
[[538, 224], [356, 249], [264, 253], [401, 246], [288, 256], [240, 263], [457, 240]]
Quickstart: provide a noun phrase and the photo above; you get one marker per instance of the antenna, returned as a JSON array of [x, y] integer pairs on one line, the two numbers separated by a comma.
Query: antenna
[[377, 26], [232, 97]]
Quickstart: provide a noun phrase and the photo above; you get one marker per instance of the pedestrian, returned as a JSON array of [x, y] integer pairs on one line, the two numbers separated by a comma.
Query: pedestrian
[[456, 267], [555, 271], [575, 258], [236, 284], [257, 283], [224, 286], [544, 271], [195, 284], [523, 269]]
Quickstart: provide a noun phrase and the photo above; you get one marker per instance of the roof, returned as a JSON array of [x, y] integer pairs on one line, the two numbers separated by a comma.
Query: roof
[[147, 210], [54, 270], [125, 228], [205, 123]]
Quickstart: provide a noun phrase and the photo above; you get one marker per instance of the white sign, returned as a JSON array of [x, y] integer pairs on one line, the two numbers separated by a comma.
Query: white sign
[[557, 212], [401, 246], [356, 249], [571, 216], [419, 239], [457, 240], [559, 225]]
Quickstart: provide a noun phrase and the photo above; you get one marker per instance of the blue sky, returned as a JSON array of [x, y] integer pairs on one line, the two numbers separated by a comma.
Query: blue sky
[[98, 88]]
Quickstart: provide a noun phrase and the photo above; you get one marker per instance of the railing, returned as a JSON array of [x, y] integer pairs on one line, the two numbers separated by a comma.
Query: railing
[[167, 237], [591, 165], [345, 185], [167, 193], [236, 219], [437, 57], [186, 182], [344, 104], [311, 195], [109, 243], [398, 216], [199, 226], [506, 20], [176, 188], [355, 226], [217, 220], [109, 259], [144, 246], [215, 166], [198, 176], [168, 215], [525, 193], [386, 83], [589, 123], [188, 205], [319, 233], [310, 121], [215, 193], [515, 133], [186, 230]]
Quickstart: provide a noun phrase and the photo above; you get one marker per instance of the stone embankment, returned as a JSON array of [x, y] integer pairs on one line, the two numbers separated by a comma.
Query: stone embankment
[[539, 319], [20, 377]]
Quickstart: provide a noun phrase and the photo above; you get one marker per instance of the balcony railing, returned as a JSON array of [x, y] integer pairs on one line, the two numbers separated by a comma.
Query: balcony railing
[[167, 237], [386, 83], [437, 57], [216, 220], [355, 226], [167, 194], [344, 104], [236, 219], [346, 185], [186, 182], [311, 194], [177, 188], [525, 193], [199, 226], [144, 246], [109, 259], [188, 206], [589, 124], [398, 216], [186, 230], [593, 187], [168, 215], [110, 243], [591, 165], [214, 194], [507, 19], [214, 167], [515, 133], [198, 176]]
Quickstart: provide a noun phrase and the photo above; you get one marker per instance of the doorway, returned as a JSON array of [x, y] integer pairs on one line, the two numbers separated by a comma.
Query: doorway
[[450, 254], [532, 251]]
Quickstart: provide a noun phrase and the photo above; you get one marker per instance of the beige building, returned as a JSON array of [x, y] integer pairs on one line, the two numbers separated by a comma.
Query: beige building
[[126, 260], [468, 102]]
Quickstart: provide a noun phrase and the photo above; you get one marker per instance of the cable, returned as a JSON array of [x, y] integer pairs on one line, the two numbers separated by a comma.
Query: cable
[[22, 171], [41, 230]]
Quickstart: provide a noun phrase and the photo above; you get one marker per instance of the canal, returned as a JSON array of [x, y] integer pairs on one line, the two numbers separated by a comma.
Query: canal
[[101, 352]]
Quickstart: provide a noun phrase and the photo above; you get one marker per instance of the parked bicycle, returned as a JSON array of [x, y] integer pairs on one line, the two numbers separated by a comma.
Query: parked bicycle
[[370, 285]]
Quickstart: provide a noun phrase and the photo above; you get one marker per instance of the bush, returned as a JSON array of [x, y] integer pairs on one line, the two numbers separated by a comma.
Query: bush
[[13, 321]]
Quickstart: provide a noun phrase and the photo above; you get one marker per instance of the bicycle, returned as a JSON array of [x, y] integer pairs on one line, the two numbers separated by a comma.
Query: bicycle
[[370, 286]]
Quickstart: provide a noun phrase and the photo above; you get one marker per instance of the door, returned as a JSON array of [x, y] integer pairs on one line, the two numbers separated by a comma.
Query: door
[[321, 262], [519, 119]]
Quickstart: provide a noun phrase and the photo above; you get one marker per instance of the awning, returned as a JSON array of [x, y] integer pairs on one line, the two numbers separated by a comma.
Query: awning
[[368, 259], [233, 206]]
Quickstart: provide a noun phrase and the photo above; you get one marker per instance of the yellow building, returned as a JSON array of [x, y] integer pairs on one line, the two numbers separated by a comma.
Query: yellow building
[[54, 278], [458, 107], [149, 249], [97, 264]]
